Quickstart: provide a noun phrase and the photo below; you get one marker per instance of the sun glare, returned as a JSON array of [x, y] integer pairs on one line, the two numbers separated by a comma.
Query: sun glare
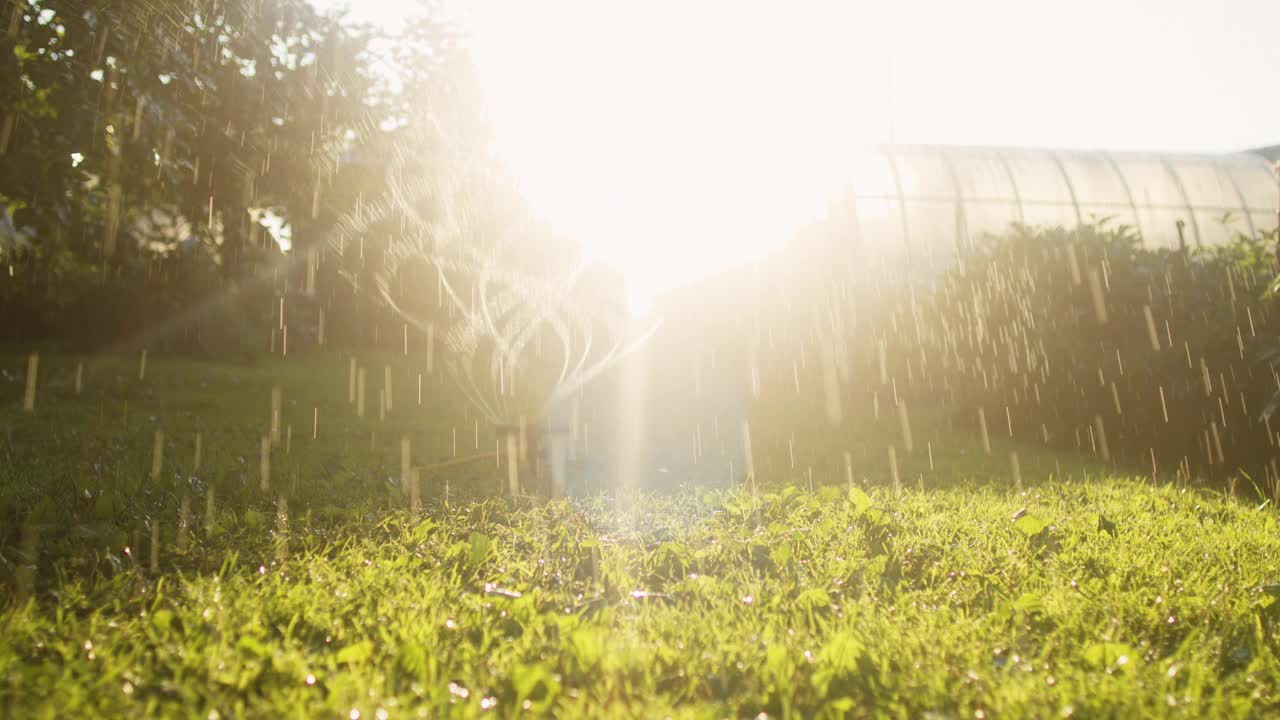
[[671, 139]]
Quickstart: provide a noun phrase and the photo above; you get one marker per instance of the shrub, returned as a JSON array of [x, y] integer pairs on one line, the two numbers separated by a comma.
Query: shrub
[[1077, 333]]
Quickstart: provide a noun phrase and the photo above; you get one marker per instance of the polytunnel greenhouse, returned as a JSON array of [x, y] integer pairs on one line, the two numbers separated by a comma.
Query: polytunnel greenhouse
[[924, 201]]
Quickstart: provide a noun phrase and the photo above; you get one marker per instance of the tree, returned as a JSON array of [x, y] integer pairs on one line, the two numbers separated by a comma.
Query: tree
[[205, 109]]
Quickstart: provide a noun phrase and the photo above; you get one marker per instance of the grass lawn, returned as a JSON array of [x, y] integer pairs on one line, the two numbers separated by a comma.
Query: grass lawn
[[325, 597]]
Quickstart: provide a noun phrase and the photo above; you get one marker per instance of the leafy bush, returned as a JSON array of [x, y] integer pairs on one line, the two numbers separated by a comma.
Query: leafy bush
[[1086, 339]]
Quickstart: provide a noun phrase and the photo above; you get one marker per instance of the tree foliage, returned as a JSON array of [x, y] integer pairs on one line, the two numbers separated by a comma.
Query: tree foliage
[[144, 143]]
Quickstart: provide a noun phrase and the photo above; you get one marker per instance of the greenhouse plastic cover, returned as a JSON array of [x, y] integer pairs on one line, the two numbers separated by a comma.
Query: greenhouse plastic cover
[[923, 201]]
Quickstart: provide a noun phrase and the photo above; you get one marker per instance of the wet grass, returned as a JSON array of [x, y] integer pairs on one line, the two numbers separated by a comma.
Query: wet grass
[[1089, 598], [1105, 598], [100, 441]]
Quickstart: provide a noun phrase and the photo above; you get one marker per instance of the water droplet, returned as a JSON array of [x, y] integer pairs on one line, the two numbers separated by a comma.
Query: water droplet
[[492, 589]]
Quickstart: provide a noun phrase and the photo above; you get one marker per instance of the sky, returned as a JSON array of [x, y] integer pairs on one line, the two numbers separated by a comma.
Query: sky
[[663, 133], [1124, 74]]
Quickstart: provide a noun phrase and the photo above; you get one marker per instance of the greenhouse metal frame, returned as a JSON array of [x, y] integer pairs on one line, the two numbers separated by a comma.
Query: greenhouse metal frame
[[917, 198]]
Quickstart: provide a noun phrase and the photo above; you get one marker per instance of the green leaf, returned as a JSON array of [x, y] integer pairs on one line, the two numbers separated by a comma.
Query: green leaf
[[1028, 603], [413, 658], [841, 705], [254, 519], [813, 599], [861, 501], [781, 555], [874, 568], [1106, 526], [162, 619], [357, 653], [1105, 655], [1030, 525], [776, 665], [480, 546], [253, 646], [842, 653], [526, 679], [829, 493], [589, 644]]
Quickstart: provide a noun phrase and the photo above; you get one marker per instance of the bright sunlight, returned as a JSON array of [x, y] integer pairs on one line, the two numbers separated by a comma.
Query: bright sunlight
[[671, 140], [639, 358]]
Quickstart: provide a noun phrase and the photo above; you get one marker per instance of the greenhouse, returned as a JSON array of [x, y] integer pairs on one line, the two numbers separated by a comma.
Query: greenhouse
[[922, 199]]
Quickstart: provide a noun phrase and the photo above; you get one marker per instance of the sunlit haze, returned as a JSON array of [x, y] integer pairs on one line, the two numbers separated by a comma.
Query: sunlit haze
[[639, 358], [672, 139]]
